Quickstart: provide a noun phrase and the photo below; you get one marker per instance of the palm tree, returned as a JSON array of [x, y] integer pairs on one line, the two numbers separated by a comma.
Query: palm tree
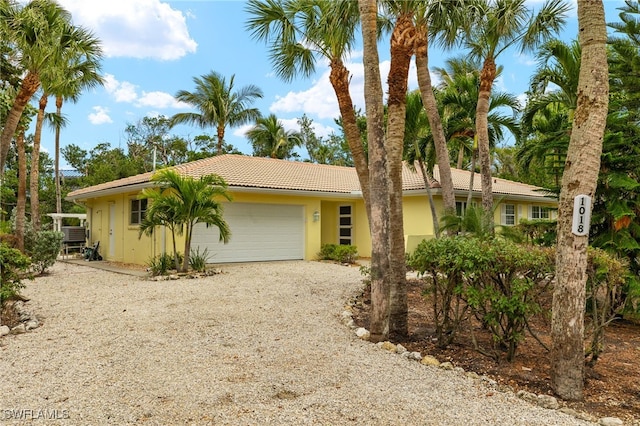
[[39, 31], [580, 177], [443, 20], [497, 26], [78, 70], [269, 139], [299, 32], [418, 142], [549, 114], [218, 105], [378, 178], [458, 93], [181, 202]]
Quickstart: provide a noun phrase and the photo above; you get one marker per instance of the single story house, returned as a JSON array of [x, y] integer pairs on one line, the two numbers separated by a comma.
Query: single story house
[[283, 210]]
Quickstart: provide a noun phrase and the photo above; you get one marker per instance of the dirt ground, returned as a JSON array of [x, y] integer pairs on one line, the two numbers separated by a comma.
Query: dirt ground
[[612, 386]]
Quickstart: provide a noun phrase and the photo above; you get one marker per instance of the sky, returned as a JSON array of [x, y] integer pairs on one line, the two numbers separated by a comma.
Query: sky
[[154, 48]]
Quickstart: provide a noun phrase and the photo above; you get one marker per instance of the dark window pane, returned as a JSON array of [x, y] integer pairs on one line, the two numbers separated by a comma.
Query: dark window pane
[[345, 242], [345, 209], [134, 218], [345, 221], [345, 232]]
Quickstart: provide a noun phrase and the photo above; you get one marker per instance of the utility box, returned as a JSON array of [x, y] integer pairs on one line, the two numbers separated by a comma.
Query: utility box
[[73, 234]]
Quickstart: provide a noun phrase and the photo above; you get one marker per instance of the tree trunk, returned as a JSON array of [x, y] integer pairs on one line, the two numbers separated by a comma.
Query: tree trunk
[[379, 190], [220, 134], [34, 182], [432, 205], [29, 86], [402, 43], [57, 157], [472, 176], [21, 202], [487, 75], [339, 78], [580, 177], [431, 108]]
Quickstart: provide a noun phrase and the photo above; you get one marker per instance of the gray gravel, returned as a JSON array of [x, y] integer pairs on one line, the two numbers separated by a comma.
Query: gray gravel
[[258, 344]]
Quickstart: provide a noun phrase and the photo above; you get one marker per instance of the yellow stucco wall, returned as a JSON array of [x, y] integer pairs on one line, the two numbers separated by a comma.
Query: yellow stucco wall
[[125, 246]]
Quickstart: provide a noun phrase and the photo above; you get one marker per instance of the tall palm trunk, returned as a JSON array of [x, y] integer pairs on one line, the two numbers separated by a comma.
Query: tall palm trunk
[[487, 75], [432, 205], [34, 182], [22, 189], [474, 155], [220, 134], [57, 157], [379, 190], [29, 86], [402, 44], [435, 122], [339, 78], [580, 177]]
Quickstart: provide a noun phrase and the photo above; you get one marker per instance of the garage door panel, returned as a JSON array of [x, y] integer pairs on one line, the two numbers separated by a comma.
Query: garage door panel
[[259, 232]]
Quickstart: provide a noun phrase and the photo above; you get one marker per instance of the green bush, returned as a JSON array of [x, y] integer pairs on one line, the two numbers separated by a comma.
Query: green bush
[[339, 253], [542, 232], [43, 247], [13, 267], [608, 282], [497, 280], [161, 264], [198, 261]]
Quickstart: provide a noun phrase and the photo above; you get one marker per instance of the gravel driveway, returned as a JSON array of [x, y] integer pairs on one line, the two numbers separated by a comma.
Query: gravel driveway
[[258, 344]]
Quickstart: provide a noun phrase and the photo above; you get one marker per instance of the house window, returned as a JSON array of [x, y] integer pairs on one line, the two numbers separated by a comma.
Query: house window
[[539, 212], [461, 207], [138, 211], [508, 214]]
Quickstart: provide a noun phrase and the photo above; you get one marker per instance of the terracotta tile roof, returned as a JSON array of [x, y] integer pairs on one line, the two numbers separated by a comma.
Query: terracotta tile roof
[[267, 173]]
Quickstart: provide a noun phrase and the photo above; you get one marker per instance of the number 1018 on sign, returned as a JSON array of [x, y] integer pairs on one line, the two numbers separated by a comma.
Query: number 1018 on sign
[[581, 215]]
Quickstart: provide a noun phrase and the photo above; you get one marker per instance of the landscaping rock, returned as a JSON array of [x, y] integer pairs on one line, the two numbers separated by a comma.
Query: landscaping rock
[[363, 333], [610, 421], [429, 360], [4, 330]]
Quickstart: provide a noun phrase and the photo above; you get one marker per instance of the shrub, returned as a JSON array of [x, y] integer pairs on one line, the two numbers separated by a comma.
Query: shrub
[[339, 253], [608, 280], [43, 247], [198, 261], [13, 267], [442, 262], [540, 232], [495, 279], [161, 264]]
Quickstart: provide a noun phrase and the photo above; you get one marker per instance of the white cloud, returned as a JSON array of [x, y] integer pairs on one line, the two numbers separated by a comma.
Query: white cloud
[[159, 100], [320, 99], [100, 116], [121, 91], [135, 29]]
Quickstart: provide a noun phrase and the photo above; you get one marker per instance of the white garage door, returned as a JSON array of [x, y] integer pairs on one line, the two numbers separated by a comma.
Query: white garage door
[[259, 232]]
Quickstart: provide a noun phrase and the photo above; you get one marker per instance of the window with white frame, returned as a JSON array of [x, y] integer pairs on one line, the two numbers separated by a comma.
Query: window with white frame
[[539, 212], [138, 211], [461, 207], [508, 214]]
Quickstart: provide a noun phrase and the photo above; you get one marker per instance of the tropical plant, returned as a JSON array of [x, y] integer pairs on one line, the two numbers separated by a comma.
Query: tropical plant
[[199, 259], [37, 33], [180, 202], [270, 139], [579, 178], [13, 268], [299, 33], [458, 93], [218, 104], [418, 141], [495, 27]]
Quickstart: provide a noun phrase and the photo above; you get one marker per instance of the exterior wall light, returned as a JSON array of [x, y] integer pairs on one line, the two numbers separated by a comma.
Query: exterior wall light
[[316, 216]]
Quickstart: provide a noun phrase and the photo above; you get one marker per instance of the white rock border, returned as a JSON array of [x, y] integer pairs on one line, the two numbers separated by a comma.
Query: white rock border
[[28, 320], [545, 401]]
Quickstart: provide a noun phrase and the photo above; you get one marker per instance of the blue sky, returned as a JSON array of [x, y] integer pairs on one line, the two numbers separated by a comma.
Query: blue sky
[[154, 48]]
